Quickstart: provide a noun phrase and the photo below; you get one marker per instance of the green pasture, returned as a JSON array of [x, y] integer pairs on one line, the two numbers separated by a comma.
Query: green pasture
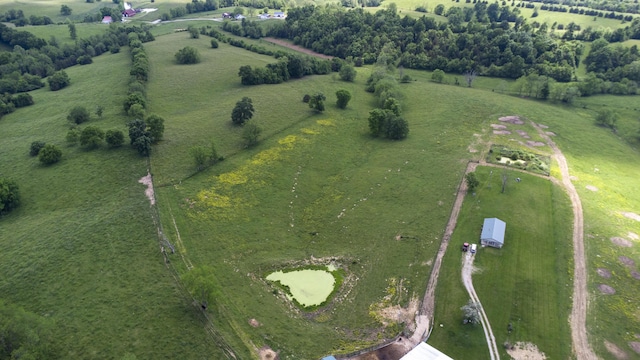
[[51, 8], [61, 32], [526, 283], [82, 249]]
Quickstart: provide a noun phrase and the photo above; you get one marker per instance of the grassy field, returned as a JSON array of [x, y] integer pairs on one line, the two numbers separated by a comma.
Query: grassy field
[[526, 283], [97, 272], [82, 249], [51, 8]]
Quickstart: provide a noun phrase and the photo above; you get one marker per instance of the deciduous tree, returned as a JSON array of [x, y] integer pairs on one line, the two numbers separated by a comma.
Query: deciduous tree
[[243, 111], [115, 138], [316, 102], [35, 147], [347, 72], [188, 55], [155, 126], [58, 80], [78, 115], [9, 195], [91, 137], [472, 181], [343, 97], [251, 133], [49, 154]]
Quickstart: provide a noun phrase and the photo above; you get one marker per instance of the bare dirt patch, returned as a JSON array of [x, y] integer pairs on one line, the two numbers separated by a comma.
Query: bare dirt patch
[[605, 273], [523, 134], [635, 274], [535, 143], [296, 48], [591, 188], [266, 353], [525, 351], [606, 289], [498, 126], [399, 314], [255, 323], [635, 346], [621, 242], [627, 261], [615, 350], [147, 180], [502, 132], [630, 215], [512, 120]]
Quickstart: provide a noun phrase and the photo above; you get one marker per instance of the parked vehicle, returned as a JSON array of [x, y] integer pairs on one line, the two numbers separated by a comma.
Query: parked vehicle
[[465, 247], [473, 248]]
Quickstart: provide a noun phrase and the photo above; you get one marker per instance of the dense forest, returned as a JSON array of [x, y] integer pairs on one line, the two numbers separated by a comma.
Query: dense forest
[[487, 39]]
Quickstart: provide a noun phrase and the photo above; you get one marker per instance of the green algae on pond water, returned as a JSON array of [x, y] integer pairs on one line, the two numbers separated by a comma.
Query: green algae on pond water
[[307, 287]]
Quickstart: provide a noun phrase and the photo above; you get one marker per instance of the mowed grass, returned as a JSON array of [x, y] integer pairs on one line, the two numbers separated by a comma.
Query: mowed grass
[[51, 8], [526, 283], [82, 249]]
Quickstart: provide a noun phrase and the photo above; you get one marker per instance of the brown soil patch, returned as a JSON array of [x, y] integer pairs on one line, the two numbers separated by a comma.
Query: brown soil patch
[[296, 48], [635, 274], [399, 314], [591, 188], [523, 134], [266, 353], [635, 346], [615, 350], [526, 351], [147, 180], [605, 273], [501, 132], [535, 143], [254, 323], [512, 120], [621, 242], [606, 289], [630, 215], [627, 261], [633, 236], [498, 126]]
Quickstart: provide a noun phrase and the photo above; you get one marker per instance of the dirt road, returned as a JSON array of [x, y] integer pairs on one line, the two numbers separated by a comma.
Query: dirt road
[[467, 270], [297, 48], [578, 318]]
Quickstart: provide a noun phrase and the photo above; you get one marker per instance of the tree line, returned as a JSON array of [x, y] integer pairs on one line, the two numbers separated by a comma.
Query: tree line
[[33, 58], [196, 6]]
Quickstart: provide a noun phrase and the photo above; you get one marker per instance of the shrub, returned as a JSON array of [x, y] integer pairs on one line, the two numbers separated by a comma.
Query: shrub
[[91, 137], [9, 195], [214, 43], [78, 115], [58, 80], [35, 147], [188, 55], [343, 98], [49, 154], [348, 72], [306, 98], [115, 138], [73, 136], [136, 111], [155, 126]]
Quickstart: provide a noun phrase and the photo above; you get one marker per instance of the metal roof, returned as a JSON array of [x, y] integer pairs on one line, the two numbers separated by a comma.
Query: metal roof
[[493, 229], [425, 351]]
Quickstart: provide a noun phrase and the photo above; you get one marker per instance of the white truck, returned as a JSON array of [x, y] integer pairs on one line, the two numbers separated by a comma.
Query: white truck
[[473, 248]]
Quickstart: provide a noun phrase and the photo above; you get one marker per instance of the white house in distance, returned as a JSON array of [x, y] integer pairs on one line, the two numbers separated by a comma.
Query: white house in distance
[[493, 232]]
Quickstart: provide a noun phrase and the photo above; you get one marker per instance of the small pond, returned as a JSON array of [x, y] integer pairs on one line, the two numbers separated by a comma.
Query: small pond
[[307, 287]]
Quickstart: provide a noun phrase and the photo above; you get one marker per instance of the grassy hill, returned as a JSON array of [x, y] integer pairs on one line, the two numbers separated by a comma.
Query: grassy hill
[[83, 249]]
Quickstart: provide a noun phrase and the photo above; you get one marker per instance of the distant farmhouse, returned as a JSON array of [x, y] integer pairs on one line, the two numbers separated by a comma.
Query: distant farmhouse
[[279, 15], [128, 13], [240, 17], [493, 232], [264, 16]]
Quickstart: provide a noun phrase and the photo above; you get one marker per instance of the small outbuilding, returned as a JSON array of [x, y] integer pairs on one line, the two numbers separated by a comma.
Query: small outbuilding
[[493, 232], [425, 351], [107, 20], [279, 15]]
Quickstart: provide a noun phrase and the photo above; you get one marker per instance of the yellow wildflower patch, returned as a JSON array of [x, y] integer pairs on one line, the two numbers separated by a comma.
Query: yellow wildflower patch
[[213, 199], [233, 178], [326, 122], [309, 131]]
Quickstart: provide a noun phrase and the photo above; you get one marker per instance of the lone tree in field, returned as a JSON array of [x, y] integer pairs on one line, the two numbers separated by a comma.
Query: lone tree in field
[[472, 181], [73, 33], [9, 195], [58, 80], [188, 55], [471, 312], [65, 10], [343, 98], [243, 111], [78, 115], [316, 102], [49, 154]]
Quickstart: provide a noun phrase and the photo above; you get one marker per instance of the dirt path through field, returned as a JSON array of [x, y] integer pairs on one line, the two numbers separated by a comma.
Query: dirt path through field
[[296, 48], [467, 270], [578, 318]]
